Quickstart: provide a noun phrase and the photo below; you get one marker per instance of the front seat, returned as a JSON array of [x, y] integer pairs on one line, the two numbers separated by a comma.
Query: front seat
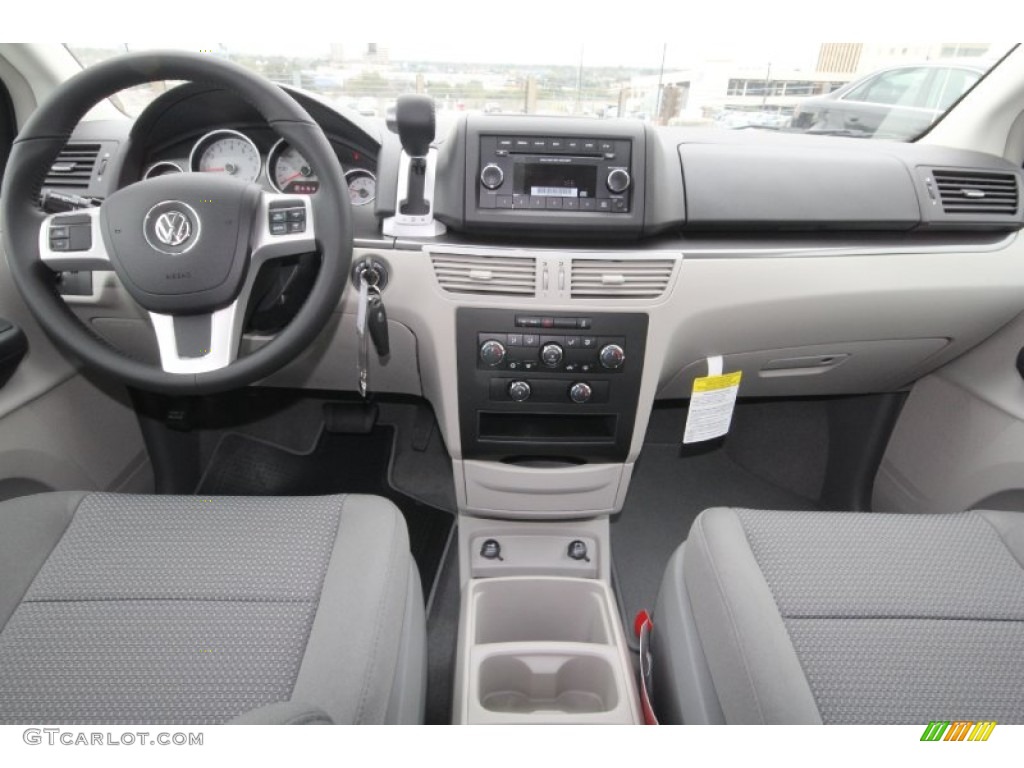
[[185, 609], [833, 617]]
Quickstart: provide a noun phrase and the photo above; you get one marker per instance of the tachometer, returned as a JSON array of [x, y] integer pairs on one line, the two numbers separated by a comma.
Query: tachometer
[[362, 186], [228, 152], [288, 171]]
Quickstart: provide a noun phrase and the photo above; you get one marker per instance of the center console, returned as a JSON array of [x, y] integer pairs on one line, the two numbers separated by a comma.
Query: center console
[[545, 385], [548, 389]]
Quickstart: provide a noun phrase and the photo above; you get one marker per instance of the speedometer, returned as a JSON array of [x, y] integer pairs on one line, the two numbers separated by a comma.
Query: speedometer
[[288, 171], [227, 152]]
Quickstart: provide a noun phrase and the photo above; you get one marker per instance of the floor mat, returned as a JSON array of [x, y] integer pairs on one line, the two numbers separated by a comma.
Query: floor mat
[[671, 485], [339, 463]]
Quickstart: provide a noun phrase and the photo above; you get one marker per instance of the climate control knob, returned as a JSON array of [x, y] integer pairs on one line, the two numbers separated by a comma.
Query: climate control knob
[[492, 176], [612, 356], [519, 391], [551, 355], [618, 181], [580, 392], [492, 352]]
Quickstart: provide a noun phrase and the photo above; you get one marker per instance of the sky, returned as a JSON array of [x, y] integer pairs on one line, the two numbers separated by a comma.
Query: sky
[[679, 54]]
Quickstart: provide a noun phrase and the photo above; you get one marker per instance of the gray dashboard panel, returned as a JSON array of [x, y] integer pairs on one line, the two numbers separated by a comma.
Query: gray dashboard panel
[[797, 187]]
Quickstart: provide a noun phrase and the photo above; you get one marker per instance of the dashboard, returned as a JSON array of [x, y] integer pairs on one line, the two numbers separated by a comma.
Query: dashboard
[[815, 265]]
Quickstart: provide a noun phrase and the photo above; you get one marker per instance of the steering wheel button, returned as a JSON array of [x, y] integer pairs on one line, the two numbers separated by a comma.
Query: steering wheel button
[[279, 228], [297, 214], [278, 215], [58, 233], [80, 237], [296, 226], [60, 245]]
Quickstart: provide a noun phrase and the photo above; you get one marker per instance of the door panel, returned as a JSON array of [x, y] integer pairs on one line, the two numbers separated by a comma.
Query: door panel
[[959, 441], [58, 429]]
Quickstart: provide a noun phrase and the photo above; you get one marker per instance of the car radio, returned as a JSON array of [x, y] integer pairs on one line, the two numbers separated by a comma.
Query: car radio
[[555, 173]]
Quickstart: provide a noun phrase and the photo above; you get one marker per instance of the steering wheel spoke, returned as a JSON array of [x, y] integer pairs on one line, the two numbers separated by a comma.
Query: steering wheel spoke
[[201, 343], [283, 227], [73, 241]]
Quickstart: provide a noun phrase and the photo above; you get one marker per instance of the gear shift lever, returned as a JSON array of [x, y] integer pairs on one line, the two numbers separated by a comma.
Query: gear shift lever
[[414, 122]]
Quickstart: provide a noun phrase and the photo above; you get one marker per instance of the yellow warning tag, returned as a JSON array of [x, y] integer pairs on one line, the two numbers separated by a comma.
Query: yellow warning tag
[[711, 383], [712, 402]]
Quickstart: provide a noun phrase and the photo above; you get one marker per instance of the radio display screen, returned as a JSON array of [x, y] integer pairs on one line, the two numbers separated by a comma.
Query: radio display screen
[[555, 180]]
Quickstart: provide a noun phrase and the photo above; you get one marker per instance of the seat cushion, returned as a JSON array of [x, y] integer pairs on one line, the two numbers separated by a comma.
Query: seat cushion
[[197, 610], [852, 617]]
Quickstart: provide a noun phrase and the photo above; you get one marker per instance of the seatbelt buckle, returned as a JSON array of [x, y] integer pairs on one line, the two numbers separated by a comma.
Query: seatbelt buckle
[[642, 626]]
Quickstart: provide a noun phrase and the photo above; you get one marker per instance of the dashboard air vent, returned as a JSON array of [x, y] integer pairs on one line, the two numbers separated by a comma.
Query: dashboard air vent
[[977, 192], [73, 167], [486, 275], [615, 279]]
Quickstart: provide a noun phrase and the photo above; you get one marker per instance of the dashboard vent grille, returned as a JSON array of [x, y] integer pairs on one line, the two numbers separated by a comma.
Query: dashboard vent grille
[[614, 279], [486, 275], [977, 192], [73, 167]]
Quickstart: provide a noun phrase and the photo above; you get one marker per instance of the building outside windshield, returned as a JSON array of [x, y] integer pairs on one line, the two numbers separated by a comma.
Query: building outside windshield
[[870, 90]]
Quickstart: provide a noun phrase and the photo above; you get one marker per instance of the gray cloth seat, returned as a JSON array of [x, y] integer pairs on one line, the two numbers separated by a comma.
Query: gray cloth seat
[[169, 609], [832, 617]]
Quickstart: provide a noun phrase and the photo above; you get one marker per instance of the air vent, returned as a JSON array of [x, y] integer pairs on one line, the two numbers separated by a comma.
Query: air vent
[[977, 192], [614, 279], [73, 167], [486, 275]]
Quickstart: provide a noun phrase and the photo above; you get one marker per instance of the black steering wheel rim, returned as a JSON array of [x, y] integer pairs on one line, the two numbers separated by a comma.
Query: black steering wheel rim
[[49, 129]]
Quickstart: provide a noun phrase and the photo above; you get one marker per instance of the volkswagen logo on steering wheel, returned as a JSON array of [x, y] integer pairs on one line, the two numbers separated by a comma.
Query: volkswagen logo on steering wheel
[[171, 227]]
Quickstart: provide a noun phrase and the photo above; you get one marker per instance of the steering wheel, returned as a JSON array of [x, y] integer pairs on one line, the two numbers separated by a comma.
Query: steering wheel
[[186, 247]]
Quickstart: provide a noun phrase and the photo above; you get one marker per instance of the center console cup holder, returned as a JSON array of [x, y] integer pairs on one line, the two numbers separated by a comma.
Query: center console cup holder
[[542, 649]]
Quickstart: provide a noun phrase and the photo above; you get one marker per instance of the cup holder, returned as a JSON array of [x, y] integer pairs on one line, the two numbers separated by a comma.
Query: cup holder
[[528, 683]]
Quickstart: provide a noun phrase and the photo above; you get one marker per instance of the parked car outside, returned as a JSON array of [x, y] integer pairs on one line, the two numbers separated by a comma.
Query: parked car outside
[[897, 101]]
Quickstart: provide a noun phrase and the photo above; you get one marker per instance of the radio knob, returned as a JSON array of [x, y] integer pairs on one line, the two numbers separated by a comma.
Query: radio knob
[[618, 181], [551, 355], [519, 391], [612, 356], [492, 352], [492, 176], [580, 392]]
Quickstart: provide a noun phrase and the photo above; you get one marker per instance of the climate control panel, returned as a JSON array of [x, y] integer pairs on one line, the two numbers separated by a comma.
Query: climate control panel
[[546, 384]]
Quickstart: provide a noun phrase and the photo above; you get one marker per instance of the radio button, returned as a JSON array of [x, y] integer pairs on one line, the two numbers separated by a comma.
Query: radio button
[[538, 202], [618, 180], [607, 146], [554, 202], [619, 205], [604, 204], [520, 201], [492, 176], [504, 201], [571, 204], [588, 204]]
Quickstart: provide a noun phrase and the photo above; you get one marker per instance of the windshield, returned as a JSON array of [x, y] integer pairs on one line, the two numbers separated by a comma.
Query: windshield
[[888, 91]]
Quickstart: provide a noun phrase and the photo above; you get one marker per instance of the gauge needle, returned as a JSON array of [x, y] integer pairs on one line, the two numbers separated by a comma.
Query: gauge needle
[[293, 176]]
